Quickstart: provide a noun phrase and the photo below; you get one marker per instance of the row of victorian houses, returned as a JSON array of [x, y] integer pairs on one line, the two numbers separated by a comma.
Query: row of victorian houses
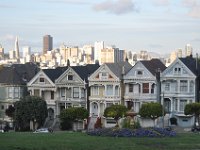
[[97, 87]]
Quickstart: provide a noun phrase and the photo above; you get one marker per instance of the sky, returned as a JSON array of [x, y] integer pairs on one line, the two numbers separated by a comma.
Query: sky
[[159, 26]]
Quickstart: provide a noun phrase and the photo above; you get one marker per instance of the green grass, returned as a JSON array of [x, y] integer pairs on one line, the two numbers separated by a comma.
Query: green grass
[[82, 141]]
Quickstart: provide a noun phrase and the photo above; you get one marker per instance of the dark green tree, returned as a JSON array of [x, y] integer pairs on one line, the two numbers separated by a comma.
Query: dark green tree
[[116, 112], [68, 116], [30, 108], [10, 111], [151, 111], [193, 109]]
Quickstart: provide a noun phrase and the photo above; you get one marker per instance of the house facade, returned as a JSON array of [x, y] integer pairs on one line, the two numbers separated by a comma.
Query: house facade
[[178, 88], [142, 83], [106, 87], [13, 80]]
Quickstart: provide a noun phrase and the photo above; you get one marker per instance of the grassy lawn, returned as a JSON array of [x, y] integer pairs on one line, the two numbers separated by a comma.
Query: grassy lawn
[[82, 141]]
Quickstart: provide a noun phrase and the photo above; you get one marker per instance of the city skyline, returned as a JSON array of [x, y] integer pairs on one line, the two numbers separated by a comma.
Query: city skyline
[[155, 25]]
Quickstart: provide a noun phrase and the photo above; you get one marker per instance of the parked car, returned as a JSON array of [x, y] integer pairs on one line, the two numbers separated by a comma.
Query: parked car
[[43, 130]]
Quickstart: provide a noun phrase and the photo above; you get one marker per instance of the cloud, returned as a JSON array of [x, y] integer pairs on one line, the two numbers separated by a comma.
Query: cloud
[[74, 2], [3, 6], [161, 2], [194, 7], [117, 7]]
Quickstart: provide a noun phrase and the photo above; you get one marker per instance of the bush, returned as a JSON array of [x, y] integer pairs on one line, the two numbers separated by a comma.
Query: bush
[[124, 132], [68, 116]]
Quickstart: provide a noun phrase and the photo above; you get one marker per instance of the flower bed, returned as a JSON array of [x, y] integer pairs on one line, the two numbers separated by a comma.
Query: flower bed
[[124, 132]]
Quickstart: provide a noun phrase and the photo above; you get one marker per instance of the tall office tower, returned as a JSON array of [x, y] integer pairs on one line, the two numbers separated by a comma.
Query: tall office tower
[[188, 50], [17, 48], [1, 52], [47, 43], [111, 55], [12, 54], [26, 54], [179, 53], [98, 46]]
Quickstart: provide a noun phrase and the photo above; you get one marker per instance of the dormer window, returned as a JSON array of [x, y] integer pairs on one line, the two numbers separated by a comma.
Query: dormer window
[[139, 72], [104, 75], [41, 80], [177, 70], [70, 77]]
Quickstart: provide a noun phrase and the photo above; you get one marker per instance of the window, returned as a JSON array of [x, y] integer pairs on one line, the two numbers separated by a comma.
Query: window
[[62, 92], [2, 107], [109, 90], [52, 94], [167, 86], [152, 88], [70, 77], [139, 72], [191, 86], [145, 88], [130, 88], [95, 90], [109, 104], [176, 104], [76, 92], [82, 93], [10, 92], [117, 90], [183, 86], [104, 75], [177, 70], [182, 104], [41, 79], [16, 92], [68, 92]]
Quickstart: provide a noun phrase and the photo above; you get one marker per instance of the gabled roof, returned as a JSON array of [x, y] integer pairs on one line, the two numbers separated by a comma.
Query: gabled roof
[[85, 71], [192, 64], [54, 74], [153, 65], [18, 74], [117, 68]]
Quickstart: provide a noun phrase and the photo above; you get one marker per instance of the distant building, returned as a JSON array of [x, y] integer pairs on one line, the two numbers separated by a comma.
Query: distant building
[[17, 48], [188, 50], [47, 43], [1, 52], [98, 46], [111, 55]]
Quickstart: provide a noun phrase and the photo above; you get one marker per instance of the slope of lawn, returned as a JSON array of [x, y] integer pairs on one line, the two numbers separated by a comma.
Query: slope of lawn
[[82, 141]]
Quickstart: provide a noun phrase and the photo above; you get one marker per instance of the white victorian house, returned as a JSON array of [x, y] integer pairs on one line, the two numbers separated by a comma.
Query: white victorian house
[[106, 87], [178, 88], [142, 83], [43, 85]]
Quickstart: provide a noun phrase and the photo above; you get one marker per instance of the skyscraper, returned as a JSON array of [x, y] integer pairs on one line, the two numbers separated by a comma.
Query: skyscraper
[[98, 46], [17, 48], [47, 43], [188, 50]]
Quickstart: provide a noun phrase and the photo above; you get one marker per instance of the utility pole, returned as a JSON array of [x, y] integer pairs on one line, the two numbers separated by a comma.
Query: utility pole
[[163, 110]]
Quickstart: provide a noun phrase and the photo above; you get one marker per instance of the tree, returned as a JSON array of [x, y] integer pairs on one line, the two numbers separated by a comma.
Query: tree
[[115, 111], [193, 109], [30, 108], [151, 110], [68, 116], [10, 111]]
